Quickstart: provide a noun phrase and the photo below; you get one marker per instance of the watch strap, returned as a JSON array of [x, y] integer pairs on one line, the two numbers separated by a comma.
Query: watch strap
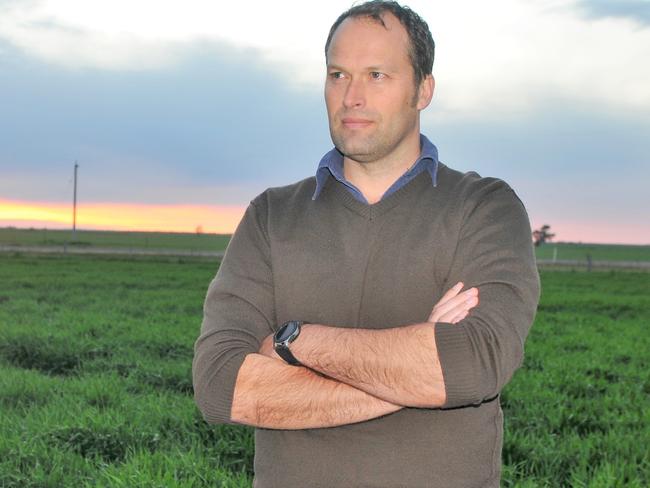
[[285, 353], [281, 343]]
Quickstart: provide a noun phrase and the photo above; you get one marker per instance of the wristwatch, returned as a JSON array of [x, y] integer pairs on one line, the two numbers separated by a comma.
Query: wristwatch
[[285, 335]]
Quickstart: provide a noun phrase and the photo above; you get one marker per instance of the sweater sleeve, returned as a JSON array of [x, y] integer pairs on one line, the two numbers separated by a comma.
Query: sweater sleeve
[[494, 253], [238, 314]]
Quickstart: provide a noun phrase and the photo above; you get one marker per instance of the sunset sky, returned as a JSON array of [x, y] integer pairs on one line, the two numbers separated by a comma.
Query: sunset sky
[[180, 113]]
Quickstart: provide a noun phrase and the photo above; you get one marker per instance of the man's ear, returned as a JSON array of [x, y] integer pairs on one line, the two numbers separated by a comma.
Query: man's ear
[[425, 92]]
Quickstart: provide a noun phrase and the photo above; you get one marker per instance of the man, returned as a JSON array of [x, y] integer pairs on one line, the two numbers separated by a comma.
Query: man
[[319, 328]]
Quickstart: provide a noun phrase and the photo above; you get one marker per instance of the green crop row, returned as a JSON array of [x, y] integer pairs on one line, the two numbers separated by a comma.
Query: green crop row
[[95, 383]]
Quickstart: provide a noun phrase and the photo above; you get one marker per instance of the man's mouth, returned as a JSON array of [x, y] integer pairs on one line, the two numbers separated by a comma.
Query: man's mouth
[[356, 122]]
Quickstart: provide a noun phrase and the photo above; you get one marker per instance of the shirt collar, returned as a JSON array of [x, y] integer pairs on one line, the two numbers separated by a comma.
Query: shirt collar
[[332, 165]]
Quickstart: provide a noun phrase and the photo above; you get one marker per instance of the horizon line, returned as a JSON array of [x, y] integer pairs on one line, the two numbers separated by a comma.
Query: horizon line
[[138, 231], [223, 219]]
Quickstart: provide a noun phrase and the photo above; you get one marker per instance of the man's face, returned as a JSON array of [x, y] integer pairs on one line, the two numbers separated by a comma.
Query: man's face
[[372, 103]]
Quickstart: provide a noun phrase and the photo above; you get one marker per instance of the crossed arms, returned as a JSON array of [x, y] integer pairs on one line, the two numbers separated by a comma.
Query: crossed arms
[[350, 375]]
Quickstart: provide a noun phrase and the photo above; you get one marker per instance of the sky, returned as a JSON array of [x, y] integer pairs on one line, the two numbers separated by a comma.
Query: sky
[[180, 113]]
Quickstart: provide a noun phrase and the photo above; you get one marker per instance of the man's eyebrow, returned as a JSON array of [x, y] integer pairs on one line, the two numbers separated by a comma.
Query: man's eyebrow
[[376, 67]]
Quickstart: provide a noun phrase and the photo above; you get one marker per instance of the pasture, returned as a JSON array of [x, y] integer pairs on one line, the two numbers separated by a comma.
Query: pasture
[[95, 386], [114, 239], [598, 252]]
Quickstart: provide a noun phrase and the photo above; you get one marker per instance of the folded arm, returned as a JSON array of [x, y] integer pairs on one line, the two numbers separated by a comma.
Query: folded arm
[[439, 363], [399, 365], [271, 394], [369, 372]]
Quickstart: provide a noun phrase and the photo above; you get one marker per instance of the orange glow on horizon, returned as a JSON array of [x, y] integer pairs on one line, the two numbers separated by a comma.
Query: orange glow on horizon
[[224, 219], [123, 216]]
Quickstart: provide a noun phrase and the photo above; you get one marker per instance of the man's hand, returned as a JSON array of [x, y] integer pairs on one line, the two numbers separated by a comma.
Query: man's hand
[[454, 305]]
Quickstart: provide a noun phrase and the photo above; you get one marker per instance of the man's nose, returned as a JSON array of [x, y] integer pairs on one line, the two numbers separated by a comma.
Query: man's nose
[[355, 96]]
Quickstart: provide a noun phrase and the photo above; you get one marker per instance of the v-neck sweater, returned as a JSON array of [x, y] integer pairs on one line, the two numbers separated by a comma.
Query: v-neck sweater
[[340, 262]]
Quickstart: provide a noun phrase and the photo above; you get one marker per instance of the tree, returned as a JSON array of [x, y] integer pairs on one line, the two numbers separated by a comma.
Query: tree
[[541, 235]]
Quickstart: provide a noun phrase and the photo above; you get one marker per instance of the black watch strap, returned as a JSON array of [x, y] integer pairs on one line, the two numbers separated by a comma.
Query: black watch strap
[[285, 353], [283, 337]]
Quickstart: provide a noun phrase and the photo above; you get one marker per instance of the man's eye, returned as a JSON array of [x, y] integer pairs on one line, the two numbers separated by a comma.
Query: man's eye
[[336, 75], [376, 75]]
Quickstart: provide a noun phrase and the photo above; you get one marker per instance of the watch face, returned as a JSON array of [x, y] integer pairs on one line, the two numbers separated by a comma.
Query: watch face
[[286, 331]]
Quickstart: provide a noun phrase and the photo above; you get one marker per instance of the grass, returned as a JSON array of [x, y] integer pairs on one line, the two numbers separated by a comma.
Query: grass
[[95, 387], [598, 252], [114, 239], [578, 410]]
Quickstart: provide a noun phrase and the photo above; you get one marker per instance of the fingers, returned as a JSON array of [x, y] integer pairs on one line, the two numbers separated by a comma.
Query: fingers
[[457, 312], [460, 316], [462, 301], [451, 293], [454, 308]]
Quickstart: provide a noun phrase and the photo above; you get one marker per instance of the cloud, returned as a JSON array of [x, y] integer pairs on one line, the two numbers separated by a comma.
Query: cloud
[[151, 34], [220, 120], [510, 56], [567, 161], [635, 10], [531, 92], [505, 57], [60, 33]]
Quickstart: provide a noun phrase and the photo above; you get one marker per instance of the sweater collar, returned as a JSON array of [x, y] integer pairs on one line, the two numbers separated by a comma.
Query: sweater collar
[[332, 165]]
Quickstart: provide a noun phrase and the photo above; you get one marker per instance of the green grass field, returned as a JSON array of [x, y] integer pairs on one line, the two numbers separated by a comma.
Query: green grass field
[[598, 252], [114, 239], [215, 242], [95, 386]]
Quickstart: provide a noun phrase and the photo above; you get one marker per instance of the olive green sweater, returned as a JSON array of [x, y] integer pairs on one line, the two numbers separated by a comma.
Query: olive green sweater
[[340, 262]]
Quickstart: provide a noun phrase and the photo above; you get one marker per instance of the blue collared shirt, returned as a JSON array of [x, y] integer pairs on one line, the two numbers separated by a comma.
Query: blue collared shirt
[[332, 164]]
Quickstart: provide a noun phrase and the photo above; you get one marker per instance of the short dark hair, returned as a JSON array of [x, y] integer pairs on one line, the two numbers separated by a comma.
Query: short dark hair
[[421, 45]]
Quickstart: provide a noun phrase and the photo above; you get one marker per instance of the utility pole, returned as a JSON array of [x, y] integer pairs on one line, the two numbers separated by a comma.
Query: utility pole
[[74, 204]]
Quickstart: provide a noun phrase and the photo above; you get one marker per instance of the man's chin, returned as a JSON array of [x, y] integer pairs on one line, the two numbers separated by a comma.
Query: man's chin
[[361, 157], [356, 150]]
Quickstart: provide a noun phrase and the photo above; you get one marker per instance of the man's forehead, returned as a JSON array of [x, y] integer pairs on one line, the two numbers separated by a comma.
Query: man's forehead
[[387, 25], [367, 37]]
